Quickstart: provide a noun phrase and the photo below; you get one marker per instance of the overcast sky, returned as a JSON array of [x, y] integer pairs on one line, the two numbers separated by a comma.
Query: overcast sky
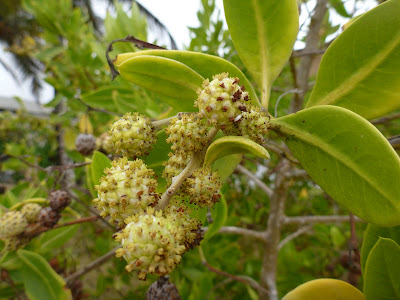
[[176, 15]]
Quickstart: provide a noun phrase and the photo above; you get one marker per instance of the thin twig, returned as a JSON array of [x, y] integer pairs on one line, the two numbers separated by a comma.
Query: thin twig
[[297, 233], [244, 279], [193, 164], [303, 220], [92, 210], [93, 265], [238, 230], [102, 110], [77, 221], [385, 119], [256, 180]]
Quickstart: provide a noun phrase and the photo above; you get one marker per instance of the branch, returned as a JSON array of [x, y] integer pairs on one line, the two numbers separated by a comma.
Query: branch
[[385, 119], [241, 231], [312, 42], [93, 265], [303, 220], [256, 180], [302, 230]]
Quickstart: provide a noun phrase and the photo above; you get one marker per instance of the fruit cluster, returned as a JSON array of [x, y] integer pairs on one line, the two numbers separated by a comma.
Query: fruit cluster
[[155, 229], [14, 225]]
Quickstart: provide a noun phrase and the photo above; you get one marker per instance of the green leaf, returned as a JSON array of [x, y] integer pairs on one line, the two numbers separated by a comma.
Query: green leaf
[[263, 33], [158, 154], [360, 70], [382, 271], [55, 238], [204, 64], [89, 177], [112, 98], [231, 145], [327, 289], [99, 162], [175, 81], [219, 214], [371, 237], [348, 158], [40, 280], [10, 261], [339, 7], [226, 165]]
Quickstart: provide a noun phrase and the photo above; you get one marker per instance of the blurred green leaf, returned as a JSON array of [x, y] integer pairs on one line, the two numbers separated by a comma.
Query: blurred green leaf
[[382, 271], [226, 165], [349, 158], [360, 70], [56, 238], [40, 280], [219, 214], [99, 162], [263, 33]]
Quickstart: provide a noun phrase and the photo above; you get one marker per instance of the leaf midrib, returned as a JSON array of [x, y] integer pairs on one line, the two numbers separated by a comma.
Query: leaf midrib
[[322, 145], [263, 53], [348, 85]]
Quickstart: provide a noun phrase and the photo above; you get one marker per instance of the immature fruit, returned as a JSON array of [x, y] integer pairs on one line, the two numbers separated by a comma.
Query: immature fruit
[[127, 189], [187, 133], [49, 217], [252, 124], [222, 100], [174, 166], [13, 243], [203, 187], [59, 200], [12, 223], [150, 244], [104, 143], [31, 212], [133, 135], [189, 228], [85, 144]]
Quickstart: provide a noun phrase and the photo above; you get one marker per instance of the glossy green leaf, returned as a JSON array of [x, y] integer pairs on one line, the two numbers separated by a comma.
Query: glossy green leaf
[[349, 158], [40, 280], [226, 165], [382, 271], [204, 64], [10, 261], [326, 289], [233, 145], [158, 154], [371, 237], [360, 70], [55, 238], [89, 177], [99, 162], [175, 81], [219, 214], [263, 33]]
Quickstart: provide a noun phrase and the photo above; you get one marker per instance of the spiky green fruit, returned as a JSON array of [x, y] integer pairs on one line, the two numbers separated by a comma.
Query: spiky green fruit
[[150, 244], [31, 212], [128, 188], [12, 223], [174, 166], [105, 144], [203, 187], [190, 228], [187, 133], [252, 124], [133, 135], [14, 243], [222, 100]]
